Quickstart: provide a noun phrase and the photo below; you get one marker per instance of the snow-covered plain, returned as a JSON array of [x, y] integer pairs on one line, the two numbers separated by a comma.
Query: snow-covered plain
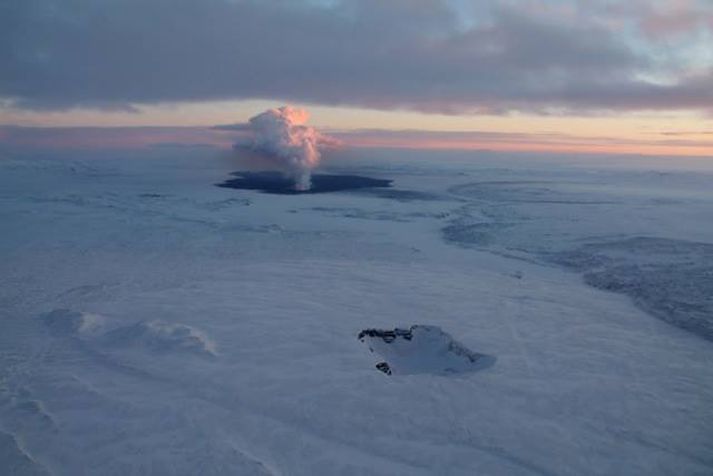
[[153, 323]]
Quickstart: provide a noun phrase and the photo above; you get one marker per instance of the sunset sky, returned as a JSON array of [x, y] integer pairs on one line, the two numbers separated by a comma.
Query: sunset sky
[[534, 75]]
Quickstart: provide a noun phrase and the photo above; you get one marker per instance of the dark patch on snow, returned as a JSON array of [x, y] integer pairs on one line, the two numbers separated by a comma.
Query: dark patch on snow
[[384, 367], [669, 279], [480, 225], [387, 336], [277, 183], [422, 350]]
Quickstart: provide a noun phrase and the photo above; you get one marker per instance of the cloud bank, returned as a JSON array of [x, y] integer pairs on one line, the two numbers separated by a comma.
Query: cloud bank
[[282, 137], [444, 56], [18, 140]]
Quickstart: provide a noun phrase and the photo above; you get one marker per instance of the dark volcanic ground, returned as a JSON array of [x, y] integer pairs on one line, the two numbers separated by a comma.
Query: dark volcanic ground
[[277, 183]]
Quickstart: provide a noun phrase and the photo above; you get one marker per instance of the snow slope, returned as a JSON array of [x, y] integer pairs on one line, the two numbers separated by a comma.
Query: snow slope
[[153, 323]]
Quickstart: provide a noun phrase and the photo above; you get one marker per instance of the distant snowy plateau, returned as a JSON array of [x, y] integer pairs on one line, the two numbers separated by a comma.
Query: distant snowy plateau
[[155, 323]]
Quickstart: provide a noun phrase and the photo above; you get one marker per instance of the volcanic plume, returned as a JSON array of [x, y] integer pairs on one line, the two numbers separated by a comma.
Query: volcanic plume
[[282, 136]]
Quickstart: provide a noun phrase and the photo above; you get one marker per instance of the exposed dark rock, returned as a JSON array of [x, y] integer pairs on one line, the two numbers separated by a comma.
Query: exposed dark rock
[[387, 335], [384, 367], [421, 349]]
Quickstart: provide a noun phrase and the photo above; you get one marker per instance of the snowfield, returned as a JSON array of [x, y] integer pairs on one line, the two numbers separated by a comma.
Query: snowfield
[[155, 323]]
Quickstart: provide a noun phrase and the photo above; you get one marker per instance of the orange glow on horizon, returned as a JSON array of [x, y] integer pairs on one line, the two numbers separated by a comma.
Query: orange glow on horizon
[[672, 133], [534, 146]]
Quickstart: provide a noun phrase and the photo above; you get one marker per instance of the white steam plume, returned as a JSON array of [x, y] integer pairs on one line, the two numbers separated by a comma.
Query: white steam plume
[[282, 136]]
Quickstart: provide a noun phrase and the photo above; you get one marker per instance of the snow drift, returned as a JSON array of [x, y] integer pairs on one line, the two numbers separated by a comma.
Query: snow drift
[[77, 323], [153, 335], [160, 336]]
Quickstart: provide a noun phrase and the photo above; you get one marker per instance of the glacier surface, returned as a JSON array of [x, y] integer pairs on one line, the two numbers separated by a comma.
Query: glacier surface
[[154, 323]]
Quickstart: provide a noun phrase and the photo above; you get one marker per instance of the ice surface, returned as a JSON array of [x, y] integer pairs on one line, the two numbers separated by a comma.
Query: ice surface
[[671, 279], [153, 323], [617, 237]]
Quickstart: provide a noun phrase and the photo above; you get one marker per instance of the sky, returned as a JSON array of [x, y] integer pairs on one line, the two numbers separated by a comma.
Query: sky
[[631, 76]]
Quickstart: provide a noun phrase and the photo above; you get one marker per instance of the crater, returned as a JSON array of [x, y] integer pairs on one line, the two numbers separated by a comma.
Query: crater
[[422, 350], [277, 183]]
